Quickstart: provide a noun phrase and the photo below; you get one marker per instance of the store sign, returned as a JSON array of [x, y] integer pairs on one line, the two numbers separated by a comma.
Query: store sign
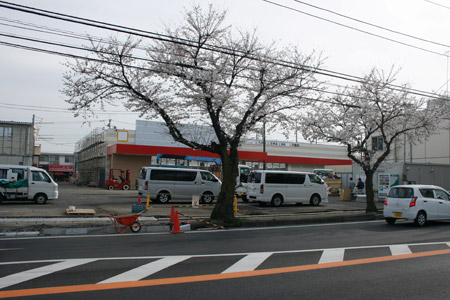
[[60, 168]]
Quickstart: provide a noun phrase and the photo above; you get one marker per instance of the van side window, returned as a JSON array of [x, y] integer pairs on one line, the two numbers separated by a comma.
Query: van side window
[[3, 174], [19, 172], [186, 176], [427, 193], [314, 178], [295, 178], [143, 174], [441, 195], [40, 176], [207, 176], [162, 175], [275, 178], [254, 177]]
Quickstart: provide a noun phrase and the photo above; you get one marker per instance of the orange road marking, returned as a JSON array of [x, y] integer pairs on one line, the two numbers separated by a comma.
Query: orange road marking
[[189, 279]]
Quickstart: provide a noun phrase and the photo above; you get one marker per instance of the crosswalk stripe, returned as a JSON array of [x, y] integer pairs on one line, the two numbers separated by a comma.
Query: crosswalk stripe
[[42, 271], [147, 269], [248, 263], [399, 249], [332, 255]]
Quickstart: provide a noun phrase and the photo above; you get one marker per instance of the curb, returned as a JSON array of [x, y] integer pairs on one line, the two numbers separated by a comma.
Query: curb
[[64, 229]]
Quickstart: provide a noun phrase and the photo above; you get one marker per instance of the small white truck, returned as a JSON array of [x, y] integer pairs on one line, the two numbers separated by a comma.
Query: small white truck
[[26, 183]]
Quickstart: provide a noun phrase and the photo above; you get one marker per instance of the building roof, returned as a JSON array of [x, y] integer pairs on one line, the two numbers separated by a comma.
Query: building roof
[[15, 123]]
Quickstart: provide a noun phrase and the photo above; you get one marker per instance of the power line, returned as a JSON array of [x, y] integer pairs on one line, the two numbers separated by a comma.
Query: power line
[[167, 39], [441, 5], [163, 38], [374, 25], [353, 28]]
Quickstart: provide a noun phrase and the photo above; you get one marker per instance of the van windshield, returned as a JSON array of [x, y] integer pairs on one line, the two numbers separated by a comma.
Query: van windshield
[[254, 177]]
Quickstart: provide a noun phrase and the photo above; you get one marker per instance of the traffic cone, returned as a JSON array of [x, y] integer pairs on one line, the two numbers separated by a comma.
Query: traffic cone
[[172, 215], [139, 199], [176, 224]]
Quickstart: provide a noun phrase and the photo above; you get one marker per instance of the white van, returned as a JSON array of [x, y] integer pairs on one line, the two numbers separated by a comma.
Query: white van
[[26, 183], [164, 184], [278, 187]]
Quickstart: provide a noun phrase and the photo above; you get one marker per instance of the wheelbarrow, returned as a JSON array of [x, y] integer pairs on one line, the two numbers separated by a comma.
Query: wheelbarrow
[[123, 223]]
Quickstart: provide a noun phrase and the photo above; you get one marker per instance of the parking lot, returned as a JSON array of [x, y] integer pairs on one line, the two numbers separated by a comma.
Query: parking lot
[[118, 202]]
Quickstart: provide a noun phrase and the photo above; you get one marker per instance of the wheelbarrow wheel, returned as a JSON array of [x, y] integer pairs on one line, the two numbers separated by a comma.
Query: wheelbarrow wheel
[[135, 227]]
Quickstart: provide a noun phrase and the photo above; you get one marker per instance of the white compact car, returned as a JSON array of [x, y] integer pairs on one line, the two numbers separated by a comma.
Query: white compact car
[[417, 202]]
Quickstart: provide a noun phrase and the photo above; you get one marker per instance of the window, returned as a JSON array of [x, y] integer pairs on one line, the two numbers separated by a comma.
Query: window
[[40, 176], [186, 176], [44, 158], [68, 159], [208, 176], [441, 195], [377, 143], [54, 159], [143, 174], [3, 173], [162, 175], [6, 131], [20, 173], [315, 179], [254, 177], [401, 193], [427, 193], [275, 178]]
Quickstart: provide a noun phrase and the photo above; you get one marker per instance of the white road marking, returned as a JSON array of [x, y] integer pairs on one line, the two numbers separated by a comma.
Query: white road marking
[[332, 255], [147, 269], [399, 249], [249, 262], [42, 271]]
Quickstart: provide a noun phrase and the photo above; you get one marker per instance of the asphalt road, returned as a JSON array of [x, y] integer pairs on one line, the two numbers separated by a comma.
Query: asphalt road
[[367, 260]]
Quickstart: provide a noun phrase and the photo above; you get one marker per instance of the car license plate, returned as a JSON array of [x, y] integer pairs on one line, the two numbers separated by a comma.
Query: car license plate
[[397, 214]]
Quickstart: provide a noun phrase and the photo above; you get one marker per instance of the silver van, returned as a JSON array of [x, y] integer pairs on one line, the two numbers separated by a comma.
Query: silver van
[[164, 184], [278, 187]]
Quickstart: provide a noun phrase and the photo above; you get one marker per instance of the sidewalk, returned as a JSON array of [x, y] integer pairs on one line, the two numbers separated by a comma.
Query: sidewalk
[[29, 219]]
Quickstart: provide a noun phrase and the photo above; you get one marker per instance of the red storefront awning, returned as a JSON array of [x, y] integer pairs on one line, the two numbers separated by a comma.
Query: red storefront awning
[[243, 155]]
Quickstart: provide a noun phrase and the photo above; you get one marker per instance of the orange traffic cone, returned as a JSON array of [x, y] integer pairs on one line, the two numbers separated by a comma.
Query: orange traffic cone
[[172, 215], [176, 224]]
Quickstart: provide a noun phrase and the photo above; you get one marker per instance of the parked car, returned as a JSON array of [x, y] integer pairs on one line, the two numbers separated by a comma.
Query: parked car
[[278, 187], [417, 202], [165, 184], [26, 183]]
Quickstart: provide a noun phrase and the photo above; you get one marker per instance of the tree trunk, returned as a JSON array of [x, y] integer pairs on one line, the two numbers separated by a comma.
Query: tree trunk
[[223, 210], [370, 207]]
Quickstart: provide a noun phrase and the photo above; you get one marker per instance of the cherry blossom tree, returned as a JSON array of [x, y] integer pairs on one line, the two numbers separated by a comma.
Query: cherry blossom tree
[[375, 110], [202, 73]]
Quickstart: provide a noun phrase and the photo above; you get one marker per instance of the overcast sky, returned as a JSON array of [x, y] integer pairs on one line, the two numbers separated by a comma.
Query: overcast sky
[[31, 81]]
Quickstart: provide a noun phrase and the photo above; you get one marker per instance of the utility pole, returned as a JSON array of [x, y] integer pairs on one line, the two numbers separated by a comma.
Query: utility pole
[[264, 143]]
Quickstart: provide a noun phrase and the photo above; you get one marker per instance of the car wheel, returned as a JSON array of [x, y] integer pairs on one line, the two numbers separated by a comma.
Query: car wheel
[[244, 198], [277, 200], [110, 187], [390, 221], [40, 199], [163, 197], [421, 219], [207, 198], [315, 200], [126, 187], [135, 227]]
